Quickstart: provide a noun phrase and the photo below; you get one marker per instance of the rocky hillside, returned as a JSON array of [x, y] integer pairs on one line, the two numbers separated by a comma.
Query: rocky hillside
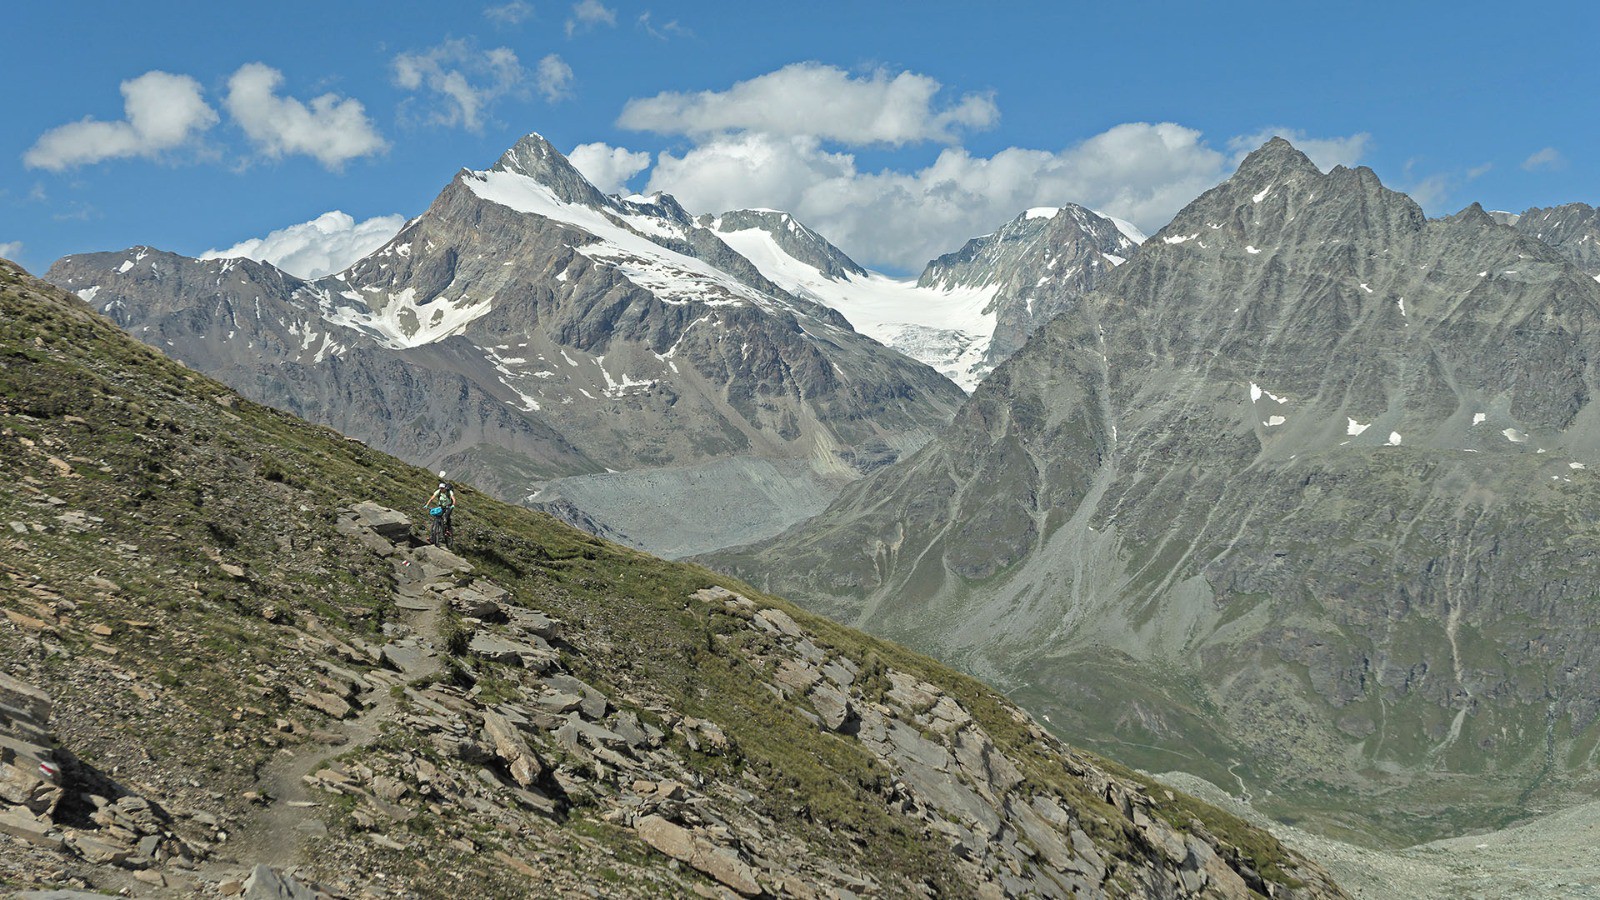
[[526, 327], [232, 667], [1301, 499]]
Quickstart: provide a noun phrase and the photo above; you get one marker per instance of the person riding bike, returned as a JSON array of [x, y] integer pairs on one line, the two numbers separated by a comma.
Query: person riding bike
[[442, 505]]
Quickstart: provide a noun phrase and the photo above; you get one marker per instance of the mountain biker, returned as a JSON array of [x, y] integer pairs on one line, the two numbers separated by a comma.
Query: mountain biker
[[443, 500]]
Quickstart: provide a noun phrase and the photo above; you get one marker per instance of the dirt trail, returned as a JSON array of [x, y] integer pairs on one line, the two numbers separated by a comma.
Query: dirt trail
[[277, 833]]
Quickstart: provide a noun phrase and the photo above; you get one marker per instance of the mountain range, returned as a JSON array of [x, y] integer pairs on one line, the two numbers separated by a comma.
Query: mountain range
[[1301, 499], [612, 357], [232, 669], [1294, 495]]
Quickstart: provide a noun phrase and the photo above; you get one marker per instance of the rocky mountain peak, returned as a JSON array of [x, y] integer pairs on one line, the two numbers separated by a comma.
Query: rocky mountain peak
[[1030, 270], [537, 158], [1278, 193], [1475, 215], [1573, 229], [661, 205], [1277, 157]]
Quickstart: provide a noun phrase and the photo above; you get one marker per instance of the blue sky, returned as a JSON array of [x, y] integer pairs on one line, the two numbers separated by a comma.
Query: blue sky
[[897, 129]]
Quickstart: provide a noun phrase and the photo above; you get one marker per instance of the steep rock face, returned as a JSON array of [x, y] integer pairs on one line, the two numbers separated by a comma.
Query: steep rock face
[[527, 327], [533, 712], [1572, 228], [1040, 262], [1306, 484]]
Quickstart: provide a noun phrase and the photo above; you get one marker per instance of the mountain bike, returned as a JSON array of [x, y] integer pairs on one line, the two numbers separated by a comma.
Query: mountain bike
[[440, 531]]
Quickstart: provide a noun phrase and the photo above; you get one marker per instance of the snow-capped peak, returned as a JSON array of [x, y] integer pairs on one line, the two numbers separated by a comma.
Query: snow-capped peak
[[1128, 229], [624, 238]]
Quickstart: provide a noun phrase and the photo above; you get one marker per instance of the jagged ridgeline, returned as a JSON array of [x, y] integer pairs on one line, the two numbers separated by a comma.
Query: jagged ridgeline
[[1303, 498], [679, 384], [552, 343], [257, 671]]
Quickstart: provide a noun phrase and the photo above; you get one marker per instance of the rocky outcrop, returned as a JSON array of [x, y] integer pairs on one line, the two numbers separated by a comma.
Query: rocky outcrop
[[1014, 837], [30, 774], [103, 824]]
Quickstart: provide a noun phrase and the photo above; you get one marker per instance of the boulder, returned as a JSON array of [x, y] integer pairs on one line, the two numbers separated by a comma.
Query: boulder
[[776, 621], [391, 524], [410, 659], [713, 594], [25, 782], [594, 703], [30, 829], [266, 883], [840, 672], [524, 766], [497, 648], [797, 676], [833, 706], [910, 693], [475, 605], [19, 695], [720, 863], [629, 729], [98, 851], [533, 622], [437, 562], [328, 703]]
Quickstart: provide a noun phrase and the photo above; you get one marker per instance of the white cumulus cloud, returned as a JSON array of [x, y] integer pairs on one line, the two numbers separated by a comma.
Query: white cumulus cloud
[[1549, 159], [586, 14], [608, 168], [463, 78], [10, 249], [514, 13], [162, 112], [1140, 172], [329, 243], [330, 129], [554, 79], [820, 101]]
